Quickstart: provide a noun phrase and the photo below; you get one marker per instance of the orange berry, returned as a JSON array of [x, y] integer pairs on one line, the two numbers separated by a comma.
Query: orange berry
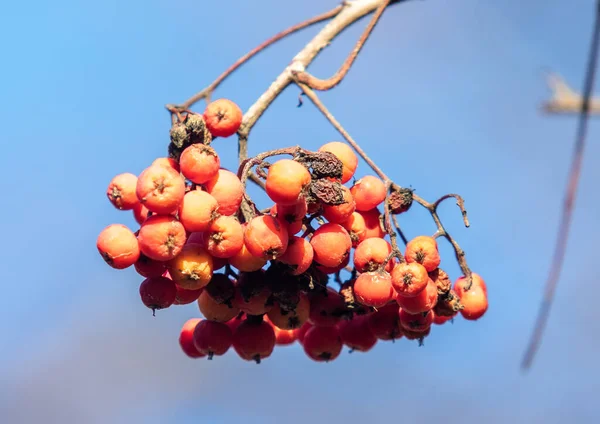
[[332, 270], [416, 322], [186, 339], [158, 293], [222, 117], [286, 181], [192, 268], [291, 216], [368, 193], [290, 319], [282, 337], [409, 279], [346, 155], [121, 191], [422, 302], [356, 227], [302, 331], [373, 223], [245, 261], [252, 294], [323, 344], [170, 162], [326, 307], [185, 296], [140, 213], [461, 283], [475, 303], [199, 163], [371, 254], [198, 210], [147, 267], [331, 244], [299, 255], [340, 213], [214, 311], [254, 340], [227, 188], [234, 323], [440, 319], [423, 250], [118, 246], [224, 237], [356, 333], [373, 289], [265, 237], [160, 189], [212, 338], [385, 322], [161, 237]]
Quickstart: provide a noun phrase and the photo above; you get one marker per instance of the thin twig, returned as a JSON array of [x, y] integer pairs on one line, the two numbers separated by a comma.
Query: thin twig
[[399, 230], [569, 202], [328, 84], [206, 92]]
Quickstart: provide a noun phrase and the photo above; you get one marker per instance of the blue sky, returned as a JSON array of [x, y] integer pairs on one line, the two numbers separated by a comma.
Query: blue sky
[[445, 97]]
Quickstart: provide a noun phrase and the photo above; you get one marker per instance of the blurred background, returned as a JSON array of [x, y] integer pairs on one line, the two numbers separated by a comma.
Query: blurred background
[[445, 97]]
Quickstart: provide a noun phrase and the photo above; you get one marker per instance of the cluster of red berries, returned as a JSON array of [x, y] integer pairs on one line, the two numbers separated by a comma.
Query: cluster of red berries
[[196, 218]]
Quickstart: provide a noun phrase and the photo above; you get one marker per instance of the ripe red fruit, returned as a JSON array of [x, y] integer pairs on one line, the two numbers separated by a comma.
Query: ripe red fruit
[[121, 191], [186, 339], [299, 255], [356, 227], [303, 330], [227, 189], [265, 237], [475, 303], [356, 333], [222, 117], [345, 154], [326, 307], [340, 213], [286, 181], [158, 293], [462, 282], [185, 296], [385, 322], [235, 322], [140, 213], [373, 223], [440, 319], [245, 261], [415, 322], [422, 302], [199, 163], [291, 215], [409, 279], [214, 311], [371, 254], [368, 193], [192, 268], [169, 162], [224, 237], [373, 289], [251, 293], [290, 319], [283, 337], [161, 237], [331, 244], [160, 189], [254, 340], [118, 246], [212, 338], [198, 209], [323, 344], [423, 250], [147, 267]]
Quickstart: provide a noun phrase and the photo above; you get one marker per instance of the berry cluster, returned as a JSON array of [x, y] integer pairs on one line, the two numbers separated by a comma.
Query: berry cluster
[[196, 218]]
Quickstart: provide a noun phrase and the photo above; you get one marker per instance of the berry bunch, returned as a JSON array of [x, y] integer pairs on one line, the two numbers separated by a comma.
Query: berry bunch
[[272, 288]]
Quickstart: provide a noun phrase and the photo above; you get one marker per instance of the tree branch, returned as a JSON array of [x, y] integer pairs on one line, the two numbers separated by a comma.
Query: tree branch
[[321, 85], [207, 91]]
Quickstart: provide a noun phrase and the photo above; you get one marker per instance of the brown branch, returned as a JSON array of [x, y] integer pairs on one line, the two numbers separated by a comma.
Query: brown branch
[[431, 207], [350, 13], [569, 203], [328, 84], [207, 91]]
